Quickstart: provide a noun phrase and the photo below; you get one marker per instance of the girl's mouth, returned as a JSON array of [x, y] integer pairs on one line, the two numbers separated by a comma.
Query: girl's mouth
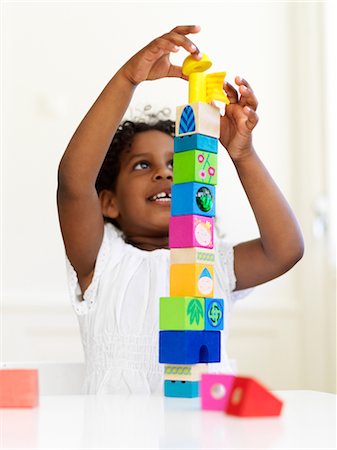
[[163, 198]]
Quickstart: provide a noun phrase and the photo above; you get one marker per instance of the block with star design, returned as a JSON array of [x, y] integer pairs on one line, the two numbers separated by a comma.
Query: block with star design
[[195, 165]]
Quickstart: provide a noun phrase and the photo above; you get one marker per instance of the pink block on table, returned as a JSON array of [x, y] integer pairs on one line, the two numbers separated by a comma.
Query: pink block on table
[[19, 388], [216, 390], [191, 231]]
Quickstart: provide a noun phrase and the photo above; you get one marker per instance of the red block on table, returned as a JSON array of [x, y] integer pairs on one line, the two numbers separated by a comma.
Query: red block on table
[[19, 388], [250, 399]]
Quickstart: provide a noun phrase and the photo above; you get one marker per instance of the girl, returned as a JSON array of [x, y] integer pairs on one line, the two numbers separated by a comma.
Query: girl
[[114, 186]]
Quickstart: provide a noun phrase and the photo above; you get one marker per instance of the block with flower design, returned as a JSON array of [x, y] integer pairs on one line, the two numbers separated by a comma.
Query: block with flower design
[[195, 166], [191, 313], [191, 231]]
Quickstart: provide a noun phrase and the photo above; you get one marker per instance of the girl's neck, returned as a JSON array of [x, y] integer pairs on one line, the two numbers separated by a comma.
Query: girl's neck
[[148, 243]]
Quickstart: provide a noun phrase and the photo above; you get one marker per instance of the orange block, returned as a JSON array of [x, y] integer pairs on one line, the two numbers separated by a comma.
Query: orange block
[[195, 280], [19, 388]]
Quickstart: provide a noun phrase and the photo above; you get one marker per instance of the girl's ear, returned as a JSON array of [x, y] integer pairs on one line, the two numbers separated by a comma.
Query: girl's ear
[[108, 204]]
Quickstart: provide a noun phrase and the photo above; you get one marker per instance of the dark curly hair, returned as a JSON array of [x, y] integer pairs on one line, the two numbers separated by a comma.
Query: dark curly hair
[[122, 139]]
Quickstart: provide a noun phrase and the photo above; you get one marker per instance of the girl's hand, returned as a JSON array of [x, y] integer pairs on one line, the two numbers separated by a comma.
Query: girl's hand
[[153, 61], [239, 120]]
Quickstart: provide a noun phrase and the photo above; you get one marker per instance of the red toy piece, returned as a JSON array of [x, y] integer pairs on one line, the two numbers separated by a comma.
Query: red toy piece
[[19, 388], [250, 399]]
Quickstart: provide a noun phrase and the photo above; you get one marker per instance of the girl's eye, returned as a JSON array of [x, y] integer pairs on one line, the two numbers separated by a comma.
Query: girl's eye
[[142, 165], [170, 164]]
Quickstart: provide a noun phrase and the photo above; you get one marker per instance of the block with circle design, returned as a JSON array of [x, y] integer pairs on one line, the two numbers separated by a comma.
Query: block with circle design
[[184, 372], [198, 117], [191, 280], [193, 198], [249, 398], [215, 391], [191, 231], [195, 165], [181, 313], [214, 314]]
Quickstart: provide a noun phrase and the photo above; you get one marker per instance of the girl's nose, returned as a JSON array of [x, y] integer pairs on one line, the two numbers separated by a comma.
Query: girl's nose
[[163, 173]]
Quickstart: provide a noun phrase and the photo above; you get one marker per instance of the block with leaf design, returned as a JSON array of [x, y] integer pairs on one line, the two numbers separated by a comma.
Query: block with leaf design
[[198, 117], [182, 313]]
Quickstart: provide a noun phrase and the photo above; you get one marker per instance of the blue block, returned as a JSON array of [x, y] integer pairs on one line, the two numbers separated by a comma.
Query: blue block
[[193, 198], [189, 347], [214, 314], [178, 388], [195, 141]]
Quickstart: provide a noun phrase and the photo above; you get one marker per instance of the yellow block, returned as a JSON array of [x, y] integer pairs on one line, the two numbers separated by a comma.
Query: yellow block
[[191, 280], [202, 87]]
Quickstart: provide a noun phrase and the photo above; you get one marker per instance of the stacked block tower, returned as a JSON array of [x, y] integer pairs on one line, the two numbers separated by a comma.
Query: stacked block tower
[[191, 319]]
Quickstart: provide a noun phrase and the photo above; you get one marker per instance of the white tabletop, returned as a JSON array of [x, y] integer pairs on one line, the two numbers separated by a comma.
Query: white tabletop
[[308, 421]]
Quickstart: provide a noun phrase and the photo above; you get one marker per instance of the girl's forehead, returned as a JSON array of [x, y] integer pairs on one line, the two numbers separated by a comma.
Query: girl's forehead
[[149, 142]]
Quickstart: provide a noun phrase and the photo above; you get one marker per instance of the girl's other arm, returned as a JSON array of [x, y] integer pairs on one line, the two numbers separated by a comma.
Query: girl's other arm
[[79, 207], [280, 244]]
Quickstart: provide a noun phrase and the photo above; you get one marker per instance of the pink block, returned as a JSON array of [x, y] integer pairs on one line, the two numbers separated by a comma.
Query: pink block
[[191, 231], [216, 390]]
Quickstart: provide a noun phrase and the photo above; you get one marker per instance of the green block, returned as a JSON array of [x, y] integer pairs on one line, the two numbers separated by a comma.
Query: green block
[[182, 313], [195, 166]]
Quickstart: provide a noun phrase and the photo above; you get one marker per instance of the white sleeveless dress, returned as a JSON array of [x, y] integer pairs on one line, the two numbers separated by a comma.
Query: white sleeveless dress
[[119, 314]]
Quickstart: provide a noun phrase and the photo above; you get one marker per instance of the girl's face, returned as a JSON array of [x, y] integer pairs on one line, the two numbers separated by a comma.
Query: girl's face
[[142, 198]]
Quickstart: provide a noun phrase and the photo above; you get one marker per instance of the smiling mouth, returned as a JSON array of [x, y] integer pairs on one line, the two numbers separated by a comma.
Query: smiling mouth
[[163, 198]]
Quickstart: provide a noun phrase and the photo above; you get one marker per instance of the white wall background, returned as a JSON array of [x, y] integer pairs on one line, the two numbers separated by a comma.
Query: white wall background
[[57, 57]]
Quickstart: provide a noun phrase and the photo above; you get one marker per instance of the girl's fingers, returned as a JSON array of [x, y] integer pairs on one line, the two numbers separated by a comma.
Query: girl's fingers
[[176, 72], [247, 95], [178, 37], [252, 117], [186, 29], [161, 45], [231, 92]]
